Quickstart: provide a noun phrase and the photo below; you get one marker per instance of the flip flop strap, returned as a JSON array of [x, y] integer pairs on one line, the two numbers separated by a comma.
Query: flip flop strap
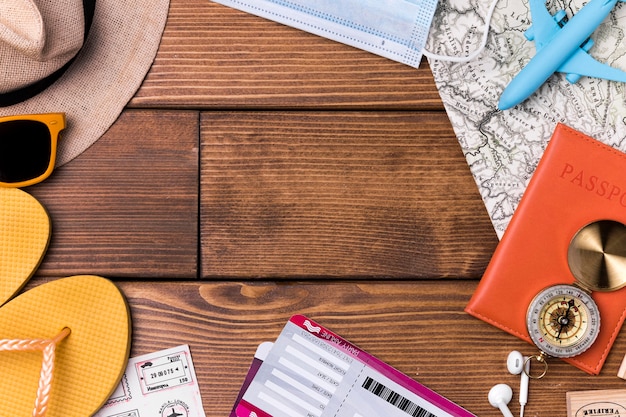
[[48, 348]]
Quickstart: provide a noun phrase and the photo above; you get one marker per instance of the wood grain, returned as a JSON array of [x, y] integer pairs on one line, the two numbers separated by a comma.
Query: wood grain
[[292, 175], [212, 56], [338, 194], [128, 206], [418, 327]]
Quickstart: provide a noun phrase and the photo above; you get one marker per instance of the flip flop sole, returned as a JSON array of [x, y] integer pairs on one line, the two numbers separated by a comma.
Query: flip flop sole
[[89, 362], [24, 238]]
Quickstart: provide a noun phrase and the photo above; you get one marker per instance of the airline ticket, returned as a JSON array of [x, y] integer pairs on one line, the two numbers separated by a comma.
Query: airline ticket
[[311, 372]]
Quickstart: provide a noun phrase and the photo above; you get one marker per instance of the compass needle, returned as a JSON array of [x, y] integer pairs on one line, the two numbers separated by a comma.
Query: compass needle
[[562, 328], [563, 320]]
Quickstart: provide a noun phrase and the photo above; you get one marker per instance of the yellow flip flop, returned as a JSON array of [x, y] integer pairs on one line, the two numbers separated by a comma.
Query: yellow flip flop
[[64, 348], [24, 238]]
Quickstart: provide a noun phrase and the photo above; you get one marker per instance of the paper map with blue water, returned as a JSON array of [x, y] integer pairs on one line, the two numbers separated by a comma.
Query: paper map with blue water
[[503, 147]]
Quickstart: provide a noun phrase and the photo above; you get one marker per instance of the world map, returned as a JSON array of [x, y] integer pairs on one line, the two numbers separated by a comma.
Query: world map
[[503, 148]]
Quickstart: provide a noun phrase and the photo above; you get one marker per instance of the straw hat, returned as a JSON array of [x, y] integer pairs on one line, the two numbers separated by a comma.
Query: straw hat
[[86, 58]]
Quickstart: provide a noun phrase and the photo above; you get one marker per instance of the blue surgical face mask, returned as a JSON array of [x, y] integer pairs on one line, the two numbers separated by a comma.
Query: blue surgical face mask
[[395, 29]]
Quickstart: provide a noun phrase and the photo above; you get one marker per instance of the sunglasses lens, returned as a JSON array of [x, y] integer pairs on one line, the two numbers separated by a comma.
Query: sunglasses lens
[[25, 149]]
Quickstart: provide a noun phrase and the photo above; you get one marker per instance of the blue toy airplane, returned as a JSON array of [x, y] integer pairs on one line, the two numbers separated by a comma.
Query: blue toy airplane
[[561, 46]]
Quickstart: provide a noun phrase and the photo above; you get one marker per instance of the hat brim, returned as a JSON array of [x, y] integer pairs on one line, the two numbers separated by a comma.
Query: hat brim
[[119, 51]]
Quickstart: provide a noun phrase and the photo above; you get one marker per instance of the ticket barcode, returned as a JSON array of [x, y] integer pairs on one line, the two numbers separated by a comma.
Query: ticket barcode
[[311, 372], [395, 399]]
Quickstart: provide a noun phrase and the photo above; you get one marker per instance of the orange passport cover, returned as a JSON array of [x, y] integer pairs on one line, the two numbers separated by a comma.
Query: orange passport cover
[[578, 181]]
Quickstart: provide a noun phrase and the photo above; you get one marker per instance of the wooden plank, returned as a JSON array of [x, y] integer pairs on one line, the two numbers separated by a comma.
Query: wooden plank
[[338, 194], [212, 56], [418, 327], [128, 206]]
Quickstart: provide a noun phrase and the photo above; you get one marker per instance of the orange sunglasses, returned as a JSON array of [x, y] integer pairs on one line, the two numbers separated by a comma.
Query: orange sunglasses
[[28, 147]]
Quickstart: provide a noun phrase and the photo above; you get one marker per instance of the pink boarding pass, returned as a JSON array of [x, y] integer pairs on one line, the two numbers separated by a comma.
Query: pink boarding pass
[[311, 372]]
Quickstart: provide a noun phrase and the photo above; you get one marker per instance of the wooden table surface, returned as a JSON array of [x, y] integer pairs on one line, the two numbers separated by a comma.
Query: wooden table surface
[[261, 172]]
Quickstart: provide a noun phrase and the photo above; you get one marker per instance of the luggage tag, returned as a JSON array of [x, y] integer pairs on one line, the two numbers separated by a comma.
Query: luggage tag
[[311, 372]]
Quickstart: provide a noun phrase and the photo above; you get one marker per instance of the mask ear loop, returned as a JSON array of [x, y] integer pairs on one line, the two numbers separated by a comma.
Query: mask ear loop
[[474, 54]]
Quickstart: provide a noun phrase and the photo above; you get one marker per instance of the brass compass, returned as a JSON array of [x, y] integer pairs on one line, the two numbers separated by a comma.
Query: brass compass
[[563, 320]]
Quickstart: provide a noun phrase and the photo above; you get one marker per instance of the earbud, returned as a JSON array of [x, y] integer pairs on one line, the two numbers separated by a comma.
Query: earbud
[[499, 396], [517, 364]]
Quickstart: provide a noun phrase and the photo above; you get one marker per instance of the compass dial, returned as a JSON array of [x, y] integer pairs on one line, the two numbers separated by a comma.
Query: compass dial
[[563, 321]]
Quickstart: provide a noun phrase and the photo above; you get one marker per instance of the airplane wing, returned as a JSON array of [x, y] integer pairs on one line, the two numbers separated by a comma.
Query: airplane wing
[[544, 25], [581, 63], [544, 28]]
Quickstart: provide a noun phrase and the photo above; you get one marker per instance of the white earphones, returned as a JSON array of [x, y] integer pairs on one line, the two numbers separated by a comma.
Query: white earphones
[[499, 396], [518, 364]]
